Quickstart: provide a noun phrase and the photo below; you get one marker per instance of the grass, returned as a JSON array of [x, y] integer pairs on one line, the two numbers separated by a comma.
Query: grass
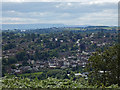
[[29, 74]]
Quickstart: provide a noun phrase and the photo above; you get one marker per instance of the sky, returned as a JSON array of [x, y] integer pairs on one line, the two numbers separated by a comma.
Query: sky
[[69, 12]]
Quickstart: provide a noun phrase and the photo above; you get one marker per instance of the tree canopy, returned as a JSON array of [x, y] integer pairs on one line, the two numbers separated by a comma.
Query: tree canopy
[[103, 66]]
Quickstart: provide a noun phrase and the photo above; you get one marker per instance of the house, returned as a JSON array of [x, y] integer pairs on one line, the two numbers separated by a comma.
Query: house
[[52, 66], [61, 40], [17, 65], [18, 71], [63, 67], [74, 65], [85, 75], [78, 74], [35, 69], [66, 63]]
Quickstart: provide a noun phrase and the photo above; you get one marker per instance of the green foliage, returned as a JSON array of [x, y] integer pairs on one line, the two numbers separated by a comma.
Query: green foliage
[[13, 66], [21, 56], [39, 75], [16, 82], [60, 74], [103, 67], [9, 46], [12, 60]]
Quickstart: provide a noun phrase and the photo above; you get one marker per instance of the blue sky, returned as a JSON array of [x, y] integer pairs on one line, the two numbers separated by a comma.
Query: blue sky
[[70, 13]]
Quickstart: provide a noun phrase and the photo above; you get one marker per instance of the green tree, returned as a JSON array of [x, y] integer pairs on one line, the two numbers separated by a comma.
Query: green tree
[[12, 60], [103, 67], [21, 56], [9, 46]]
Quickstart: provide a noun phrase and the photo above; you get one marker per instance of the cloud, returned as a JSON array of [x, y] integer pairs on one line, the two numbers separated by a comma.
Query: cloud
[[85, 1], [61, 12], [106, 17]]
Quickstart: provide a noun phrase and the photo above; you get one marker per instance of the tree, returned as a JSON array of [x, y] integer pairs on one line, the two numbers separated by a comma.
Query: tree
[[9, 46], [21, 56], [13, 66], [82, 46], [12, 60], [103, 67]]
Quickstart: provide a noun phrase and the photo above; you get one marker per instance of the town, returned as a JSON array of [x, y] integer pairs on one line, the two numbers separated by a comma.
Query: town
[[25, 52]]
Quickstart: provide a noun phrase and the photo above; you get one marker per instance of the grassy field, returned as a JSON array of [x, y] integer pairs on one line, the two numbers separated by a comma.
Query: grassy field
[[31, 74]]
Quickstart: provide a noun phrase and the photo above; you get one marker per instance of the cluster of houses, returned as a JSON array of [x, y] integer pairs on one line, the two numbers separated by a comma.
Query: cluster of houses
[[59, 63]]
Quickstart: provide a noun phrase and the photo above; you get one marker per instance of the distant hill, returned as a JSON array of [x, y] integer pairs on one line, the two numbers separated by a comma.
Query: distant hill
[[35, 26], [42, 26], [98, 26], [29, 26]]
